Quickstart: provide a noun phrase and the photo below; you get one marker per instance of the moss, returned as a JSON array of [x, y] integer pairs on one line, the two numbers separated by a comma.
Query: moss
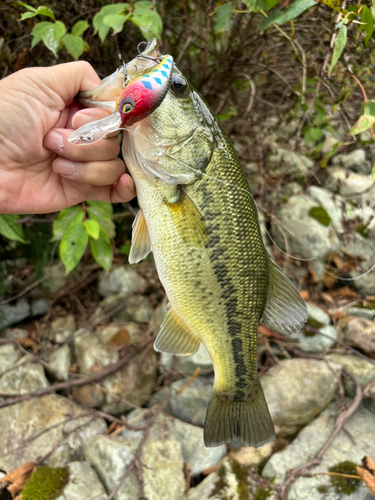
[[46, 483], [221, 484], [363, 230], [314, 324], [323, 489], [242, 480], [344, 485], [261, 494]]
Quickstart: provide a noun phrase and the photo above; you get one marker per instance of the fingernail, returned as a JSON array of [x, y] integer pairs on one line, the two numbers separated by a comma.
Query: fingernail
[[54, 141], [63, 167]]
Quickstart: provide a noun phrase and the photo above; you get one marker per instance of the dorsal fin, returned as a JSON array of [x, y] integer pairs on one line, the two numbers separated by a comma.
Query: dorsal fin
[[141, 243], [175, 338], [285, 311]]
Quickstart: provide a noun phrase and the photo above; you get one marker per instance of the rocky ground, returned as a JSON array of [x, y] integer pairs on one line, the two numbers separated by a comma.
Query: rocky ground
[[90, 393]]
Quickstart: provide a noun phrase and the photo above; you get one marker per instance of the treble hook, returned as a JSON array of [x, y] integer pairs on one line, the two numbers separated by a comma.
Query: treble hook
[[155, 59], [126, 78]]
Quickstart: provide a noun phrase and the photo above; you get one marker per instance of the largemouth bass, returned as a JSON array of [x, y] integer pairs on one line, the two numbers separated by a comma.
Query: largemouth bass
[[200, 221]]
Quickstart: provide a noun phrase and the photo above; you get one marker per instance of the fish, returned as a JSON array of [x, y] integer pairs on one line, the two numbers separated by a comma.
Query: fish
[[200, 221]]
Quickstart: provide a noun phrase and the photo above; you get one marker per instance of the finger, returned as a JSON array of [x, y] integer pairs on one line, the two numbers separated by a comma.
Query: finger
[[94, 172], [57, 141], [88, 115]]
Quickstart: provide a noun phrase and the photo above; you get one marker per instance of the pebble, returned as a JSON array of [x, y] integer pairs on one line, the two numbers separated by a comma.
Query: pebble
[[9, 356], [92, 354], [358, 333], [25, 378], [62, 328], [83, 484], [123, 279], [14, 312], [60, 361]]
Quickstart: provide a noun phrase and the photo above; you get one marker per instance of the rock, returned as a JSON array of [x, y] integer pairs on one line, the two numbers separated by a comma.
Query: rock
[[14, 312], [314, 342], [25, 378], [330, 204], [361, 312], [60, 361], [15, 333], [347, 183], [296, 391], [360, 368], [317, 318], [83, 484], [57, 278], [135, 308], [62, 328], [39, 307], [33, 428], [282, 160], [90, 395], [190, 405], [92, 354], [248, 457], [351, 444], [329, 143], [194, 452], [130, 386], [188, 364], [123, 279], [362, 251], [9, 356], [358, 333], [355, 160], [121, 333], [162, 467]]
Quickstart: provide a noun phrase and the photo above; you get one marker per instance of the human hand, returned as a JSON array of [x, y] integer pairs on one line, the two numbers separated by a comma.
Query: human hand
[[40, 171]]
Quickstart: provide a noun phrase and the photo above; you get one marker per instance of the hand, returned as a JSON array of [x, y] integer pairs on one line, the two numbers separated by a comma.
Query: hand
[[40, 171]]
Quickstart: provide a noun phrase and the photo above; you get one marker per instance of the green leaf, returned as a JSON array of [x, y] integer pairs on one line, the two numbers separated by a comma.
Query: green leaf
[[116, 21], [27, 15], [366, 17], [38, 31], [45, 11], [52, 36], [125, 249], [373, 172], [86, 46], [61, 223], [363, 123], [101, 211], [28, 7], [148, 21], [144, 4], [10, 229], [222, 18], [74, 45], [321, 215], [79, 28], [102, 251], [74, 242], [288, 14], [258, 5], [115, 8], [313, 134], [340, 43], [92, 228]]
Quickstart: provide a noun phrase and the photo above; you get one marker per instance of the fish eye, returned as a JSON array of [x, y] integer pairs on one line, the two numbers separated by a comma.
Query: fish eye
[[178, 85], [127, 107]]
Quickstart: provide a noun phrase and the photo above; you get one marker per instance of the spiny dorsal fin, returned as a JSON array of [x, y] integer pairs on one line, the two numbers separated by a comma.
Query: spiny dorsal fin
[[187, 219], [141, 243], [285, 311], [175, 338]]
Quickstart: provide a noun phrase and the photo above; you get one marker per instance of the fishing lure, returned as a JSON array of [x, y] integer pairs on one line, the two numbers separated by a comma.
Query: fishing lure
[[141, 96]]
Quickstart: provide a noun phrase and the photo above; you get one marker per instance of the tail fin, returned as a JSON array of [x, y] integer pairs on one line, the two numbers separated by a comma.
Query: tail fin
[[246, 420]]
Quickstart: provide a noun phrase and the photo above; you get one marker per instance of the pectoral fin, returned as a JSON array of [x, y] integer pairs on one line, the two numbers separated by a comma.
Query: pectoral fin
[[187, 219], [285, 311], [175, 338], [141, 243]]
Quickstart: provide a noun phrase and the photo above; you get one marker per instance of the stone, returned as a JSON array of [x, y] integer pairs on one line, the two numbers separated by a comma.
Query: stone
[[22, 379], [60, 361], [351, 444], [14, 312], [248, 456], [360, 368], [83, 484], [316, 316], [187, 403], [39, 307], [194, 452], [330, 203], [355, 160], [15, 333], [296, 390], [123, 279], [347, 183], [90, 395], [9, 356], [314, 342], [92, 354], [57, 278], [121, 333], [361, 312], [161, 460], [62, 328], [135, 308], [362, 251], [32, 428], [132, 385], [188, 364], [282, 160], [358, 333]]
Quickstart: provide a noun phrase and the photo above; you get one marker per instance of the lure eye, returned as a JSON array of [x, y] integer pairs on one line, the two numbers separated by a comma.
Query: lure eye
[[127, 107], [178, 85]]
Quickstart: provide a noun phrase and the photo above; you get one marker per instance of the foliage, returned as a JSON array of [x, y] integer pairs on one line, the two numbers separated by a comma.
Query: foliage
[[46, 483]]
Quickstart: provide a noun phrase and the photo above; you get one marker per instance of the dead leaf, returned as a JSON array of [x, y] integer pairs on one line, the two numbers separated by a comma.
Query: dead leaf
[[344, 291], [122, 337], [96, 366], [367, 474], [267, 332], [17, 479], [304, 294]]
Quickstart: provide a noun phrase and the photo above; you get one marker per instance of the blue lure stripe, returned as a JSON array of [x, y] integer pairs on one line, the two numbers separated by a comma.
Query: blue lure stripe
[[146, 76], [164, 73], [147, 84], [157, 80]]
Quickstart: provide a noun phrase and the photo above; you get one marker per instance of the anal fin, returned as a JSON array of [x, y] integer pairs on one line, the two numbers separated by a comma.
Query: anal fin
[[285, 311], [141, 243], [175, 338]]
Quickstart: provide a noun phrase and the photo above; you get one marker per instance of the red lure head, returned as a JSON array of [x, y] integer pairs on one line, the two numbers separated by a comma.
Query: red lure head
[[144, 94]]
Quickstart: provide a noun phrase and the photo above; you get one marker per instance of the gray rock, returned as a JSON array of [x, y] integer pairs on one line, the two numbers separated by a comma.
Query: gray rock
[[190, 405], [162, 467], [314, 342], [317, 316], [24, 378], [330, 204], [60, 361], [363, 251], [130, 386], [83, 484], [127, 333], [62, 328], [189, 436], [57, 277], [15, 333], [123, 279], [361, 312], [248, 456], [188, 364], [351, 443], [92, 354], [39, 307], [355, 160], [90, 395], [135, 308], [9, 356], [283, 160], [296, 391], [14, 312], [347, 183], [329, 143], [360, 368], [358, 333], [33, 428]]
